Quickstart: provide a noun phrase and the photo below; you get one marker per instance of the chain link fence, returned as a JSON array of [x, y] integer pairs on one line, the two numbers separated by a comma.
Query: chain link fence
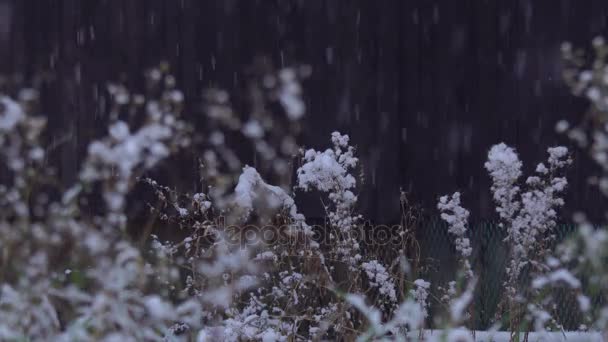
[[489, 259]]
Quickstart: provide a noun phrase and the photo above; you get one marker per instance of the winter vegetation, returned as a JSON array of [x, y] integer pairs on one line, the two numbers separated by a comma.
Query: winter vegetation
[[234, 258]]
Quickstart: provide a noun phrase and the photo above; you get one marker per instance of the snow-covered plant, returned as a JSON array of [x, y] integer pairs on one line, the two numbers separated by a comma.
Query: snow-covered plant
[[117, 160], [528, 216], [457, 298], [504, 168], [582, 258], [528, 213], [329, 172], [66, 275], [420, 294], [407, 319], [301, 291], [295, 292], [589, 81], [380, 278], [457, 219]]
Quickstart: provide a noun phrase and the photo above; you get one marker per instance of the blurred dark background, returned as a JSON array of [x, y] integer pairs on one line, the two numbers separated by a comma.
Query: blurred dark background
[[423, 87]]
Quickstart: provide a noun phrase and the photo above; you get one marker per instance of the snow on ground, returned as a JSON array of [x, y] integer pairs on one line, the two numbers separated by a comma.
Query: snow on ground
[[462, 335]]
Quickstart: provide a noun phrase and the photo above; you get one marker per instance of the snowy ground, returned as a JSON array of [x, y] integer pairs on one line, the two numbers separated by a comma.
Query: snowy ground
[[500, 336]]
